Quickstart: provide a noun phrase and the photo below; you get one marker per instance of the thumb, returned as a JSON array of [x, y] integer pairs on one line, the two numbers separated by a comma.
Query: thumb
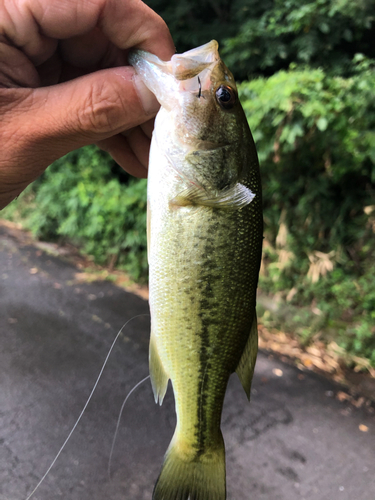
[[64, 117]]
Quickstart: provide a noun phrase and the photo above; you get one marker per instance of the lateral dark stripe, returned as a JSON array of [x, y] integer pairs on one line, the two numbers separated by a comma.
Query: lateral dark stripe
[[207, 313]]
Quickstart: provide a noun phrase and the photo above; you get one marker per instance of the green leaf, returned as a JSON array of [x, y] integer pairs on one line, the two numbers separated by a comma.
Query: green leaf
[[322, 123]]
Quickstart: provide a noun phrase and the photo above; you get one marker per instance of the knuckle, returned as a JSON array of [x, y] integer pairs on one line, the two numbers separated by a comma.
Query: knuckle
[[98, 109], [160, 28]]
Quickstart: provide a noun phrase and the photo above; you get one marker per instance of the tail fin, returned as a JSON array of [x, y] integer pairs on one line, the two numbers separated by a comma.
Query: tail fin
[[199, 477]]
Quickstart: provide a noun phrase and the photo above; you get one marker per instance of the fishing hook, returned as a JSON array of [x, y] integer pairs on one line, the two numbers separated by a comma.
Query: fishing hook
[[200, 88]]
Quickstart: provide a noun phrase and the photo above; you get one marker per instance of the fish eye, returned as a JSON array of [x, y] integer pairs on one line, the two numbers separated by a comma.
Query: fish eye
[[226, 96]]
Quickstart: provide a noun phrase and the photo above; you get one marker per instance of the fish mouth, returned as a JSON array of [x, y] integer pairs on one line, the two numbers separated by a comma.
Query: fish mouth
[[191, 63], [168, 78], [181, 66]]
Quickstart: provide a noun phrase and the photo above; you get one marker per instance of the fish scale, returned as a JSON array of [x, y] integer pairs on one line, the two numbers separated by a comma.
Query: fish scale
[[204, 248]]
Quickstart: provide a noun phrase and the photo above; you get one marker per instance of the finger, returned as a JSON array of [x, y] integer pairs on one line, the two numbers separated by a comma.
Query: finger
[[35, 26], [148, 30], [49, 122], [92, 49], [140, 144], [148, 127], [85, 50], [121, 151], [16, 70], [51, 71]]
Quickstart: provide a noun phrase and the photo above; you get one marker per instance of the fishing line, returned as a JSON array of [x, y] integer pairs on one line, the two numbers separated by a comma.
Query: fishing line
[[85, 406], [118, 423]]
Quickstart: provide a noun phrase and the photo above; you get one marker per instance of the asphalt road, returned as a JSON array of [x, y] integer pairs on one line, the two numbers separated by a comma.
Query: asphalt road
[[294, 441]]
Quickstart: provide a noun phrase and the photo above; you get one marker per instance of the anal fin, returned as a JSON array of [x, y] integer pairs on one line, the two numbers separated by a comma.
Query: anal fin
[[159, 378], [245, 368]]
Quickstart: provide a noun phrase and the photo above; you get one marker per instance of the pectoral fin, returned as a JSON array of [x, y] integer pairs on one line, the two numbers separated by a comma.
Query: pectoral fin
[[245, 368], [235, 197], [159, 378]]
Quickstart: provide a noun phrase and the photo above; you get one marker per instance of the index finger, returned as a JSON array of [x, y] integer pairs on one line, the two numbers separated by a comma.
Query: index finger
[[35, 25]]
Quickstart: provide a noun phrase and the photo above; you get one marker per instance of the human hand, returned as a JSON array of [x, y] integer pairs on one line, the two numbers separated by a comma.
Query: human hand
[[65, 83]]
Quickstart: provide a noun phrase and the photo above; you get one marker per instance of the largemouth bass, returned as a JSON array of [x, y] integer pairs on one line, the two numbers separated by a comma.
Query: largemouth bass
[[204, 250]]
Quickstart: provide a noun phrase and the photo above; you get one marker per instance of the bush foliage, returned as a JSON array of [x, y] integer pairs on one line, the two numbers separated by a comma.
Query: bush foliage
[[264, 37], [315, 135], [79, 197]]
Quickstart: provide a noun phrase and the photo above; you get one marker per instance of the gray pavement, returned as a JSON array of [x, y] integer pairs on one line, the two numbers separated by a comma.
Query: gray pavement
[[294, 441]]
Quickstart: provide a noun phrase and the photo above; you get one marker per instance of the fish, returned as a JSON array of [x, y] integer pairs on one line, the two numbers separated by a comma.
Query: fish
[[204, 228]]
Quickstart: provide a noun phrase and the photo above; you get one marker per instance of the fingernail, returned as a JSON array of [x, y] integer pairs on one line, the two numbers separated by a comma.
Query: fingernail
[[148, 100]]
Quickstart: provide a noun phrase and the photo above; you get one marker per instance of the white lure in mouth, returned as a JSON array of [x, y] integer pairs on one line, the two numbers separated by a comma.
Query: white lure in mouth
[[167, 79]]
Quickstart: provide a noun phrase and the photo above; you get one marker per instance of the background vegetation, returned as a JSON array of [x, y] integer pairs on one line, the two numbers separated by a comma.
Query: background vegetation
[[307, 78]]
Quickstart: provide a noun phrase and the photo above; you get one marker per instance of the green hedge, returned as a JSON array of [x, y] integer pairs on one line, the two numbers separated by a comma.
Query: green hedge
[[316, 141], [84, 197]]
